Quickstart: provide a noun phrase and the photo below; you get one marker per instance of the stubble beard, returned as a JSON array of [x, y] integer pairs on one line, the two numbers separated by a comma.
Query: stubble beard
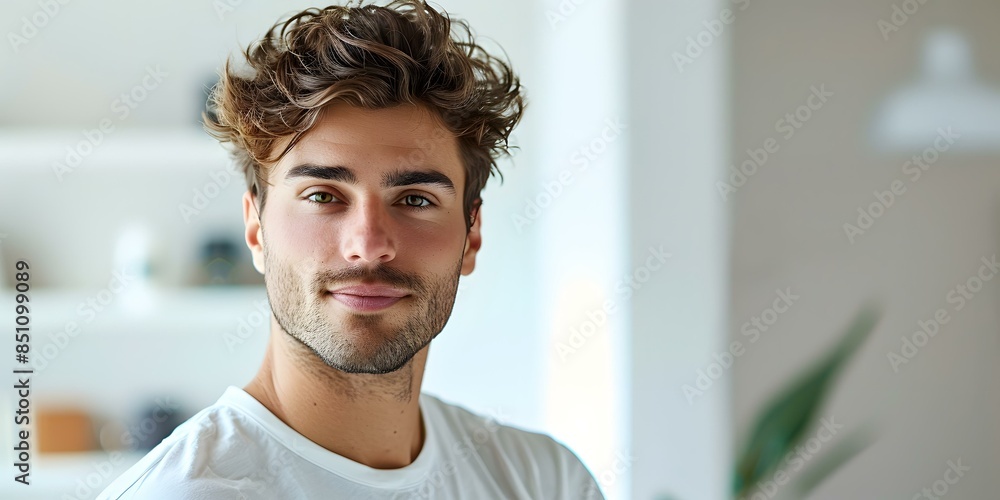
[[359, 343]]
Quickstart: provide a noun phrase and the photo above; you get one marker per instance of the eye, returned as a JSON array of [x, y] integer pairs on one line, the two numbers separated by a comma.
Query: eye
[[416, 201], [320, 197]]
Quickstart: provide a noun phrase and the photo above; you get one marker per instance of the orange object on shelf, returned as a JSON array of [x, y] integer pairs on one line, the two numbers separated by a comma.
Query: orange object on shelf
[[63, 430]]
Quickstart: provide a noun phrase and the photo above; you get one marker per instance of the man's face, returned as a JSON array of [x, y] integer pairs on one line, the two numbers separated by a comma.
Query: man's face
[[363, 236]]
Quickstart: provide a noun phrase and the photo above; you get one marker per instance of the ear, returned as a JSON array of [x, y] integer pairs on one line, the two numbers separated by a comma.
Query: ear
[[473, 241], [253, 234]]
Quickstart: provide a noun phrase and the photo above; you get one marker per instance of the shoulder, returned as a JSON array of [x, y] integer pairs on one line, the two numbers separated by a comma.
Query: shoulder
[[544, 464], [204, 458]]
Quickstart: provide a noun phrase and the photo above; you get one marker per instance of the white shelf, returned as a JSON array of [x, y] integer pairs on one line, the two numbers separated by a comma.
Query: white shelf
[[155, 309], [58, 474], [174, 148]]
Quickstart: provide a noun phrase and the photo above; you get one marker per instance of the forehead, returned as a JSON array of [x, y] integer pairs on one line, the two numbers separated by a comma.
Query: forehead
[[366, 140]]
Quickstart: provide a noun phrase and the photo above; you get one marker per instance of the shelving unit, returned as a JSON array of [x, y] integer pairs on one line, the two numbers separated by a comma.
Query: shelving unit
[[172, 148], [53, 308], [59, 474]]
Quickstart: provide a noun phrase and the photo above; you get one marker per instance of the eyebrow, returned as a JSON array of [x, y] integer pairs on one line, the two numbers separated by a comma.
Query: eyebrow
[[393, 179]]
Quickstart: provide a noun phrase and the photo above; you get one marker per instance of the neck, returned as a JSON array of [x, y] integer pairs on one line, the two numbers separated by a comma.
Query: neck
[[370, 419]]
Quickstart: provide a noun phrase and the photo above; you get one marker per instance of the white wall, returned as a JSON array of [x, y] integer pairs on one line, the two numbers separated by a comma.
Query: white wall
[[677, 149], [577, 214]]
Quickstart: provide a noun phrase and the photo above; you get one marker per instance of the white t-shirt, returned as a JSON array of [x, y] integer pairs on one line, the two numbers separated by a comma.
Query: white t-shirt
[[238, 449]]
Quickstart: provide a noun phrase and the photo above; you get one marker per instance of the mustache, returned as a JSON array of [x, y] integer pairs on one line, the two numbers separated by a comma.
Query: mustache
[[380, 274]]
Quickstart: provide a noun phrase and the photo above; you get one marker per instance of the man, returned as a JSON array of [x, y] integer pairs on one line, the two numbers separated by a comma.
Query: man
[[367, 134]]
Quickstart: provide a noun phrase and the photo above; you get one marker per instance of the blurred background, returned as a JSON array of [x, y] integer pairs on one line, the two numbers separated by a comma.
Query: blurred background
[[706, 193]]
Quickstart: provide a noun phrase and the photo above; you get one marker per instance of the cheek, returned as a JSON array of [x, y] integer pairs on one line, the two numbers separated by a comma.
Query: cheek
[[296, 238], [435, 246]]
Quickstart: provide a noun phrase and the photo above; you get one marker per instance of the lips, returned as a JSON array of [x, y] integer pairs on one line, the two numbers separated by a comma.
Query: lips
[[371, 291], [368, 297]]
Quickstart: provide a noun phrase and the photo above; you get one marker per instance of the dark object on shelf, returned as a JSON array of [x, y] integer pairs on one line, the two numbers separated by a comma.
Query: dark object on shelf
[[155, 423], [219, 258]]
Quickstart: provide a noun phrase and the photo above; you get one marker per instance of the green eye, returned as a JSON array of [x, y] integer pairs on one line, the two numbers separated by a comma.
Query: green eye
[[320, 197], [416, 201]]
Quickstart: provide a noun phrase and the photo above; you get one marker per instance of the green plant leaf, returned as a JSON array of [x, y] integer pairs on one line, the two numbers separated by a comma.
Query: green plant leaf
[[843, 450], [784, 420]]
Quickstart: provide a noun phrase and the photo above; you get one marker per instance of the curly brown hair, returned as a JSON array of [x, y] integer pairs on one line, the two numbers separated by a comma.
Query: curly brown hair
[[373, 57]]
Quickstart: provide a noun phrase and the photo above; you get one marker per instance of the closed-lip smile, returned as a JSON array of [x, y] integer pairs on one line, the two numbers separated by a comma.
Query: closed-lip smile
[[364, 297]]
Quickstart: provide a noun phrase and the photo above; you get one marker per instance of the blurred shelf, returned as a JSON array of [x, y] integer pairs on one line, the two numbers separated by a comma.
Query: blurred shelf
[[65, 475], [156, 308], [176, 148]]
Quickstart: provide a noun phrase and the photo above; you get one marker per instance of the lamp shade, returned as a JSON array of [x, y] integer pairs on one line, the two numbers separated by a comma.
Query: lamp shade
[[946, 94]]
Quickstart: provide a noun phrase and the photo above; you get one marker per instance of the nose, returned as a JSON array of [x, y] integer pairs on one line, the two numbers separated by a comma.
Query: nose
[[367, 238]]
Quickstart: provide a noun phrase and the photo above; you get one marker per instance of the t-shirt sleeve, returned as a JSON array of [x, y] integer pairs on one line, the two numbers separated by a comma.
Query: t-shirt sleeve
[[580, 482], [188, 490], [563, 475], [176, 470], [164, 483]]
